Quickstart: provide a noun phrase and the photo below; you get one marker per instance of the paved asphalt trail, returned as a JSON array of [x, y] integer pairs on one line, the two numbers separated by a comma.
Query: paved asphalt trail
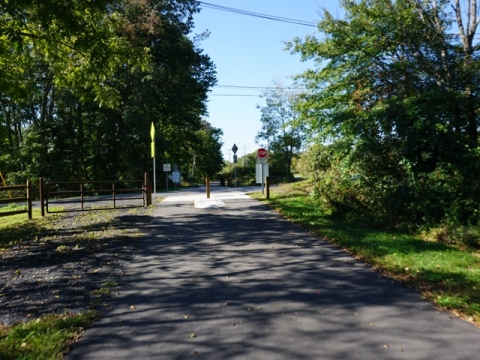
[[240, 282]]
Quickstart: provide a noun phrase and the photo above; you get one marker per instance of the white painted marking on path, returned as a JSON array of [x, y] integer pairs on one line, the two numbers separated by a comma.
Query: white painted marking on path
[[209, 204], [216, 195]]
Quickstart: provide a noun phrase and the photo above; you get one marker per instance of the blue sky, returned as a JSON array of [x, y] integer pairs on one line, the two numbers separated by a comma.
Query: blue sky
[[249, 51]]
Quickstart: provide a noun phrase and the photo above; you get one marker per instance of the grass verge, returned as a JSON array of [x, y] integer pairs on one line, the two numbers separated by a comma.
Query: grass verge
[[51, 336], [45, 338], [16, 228], [447, 275]]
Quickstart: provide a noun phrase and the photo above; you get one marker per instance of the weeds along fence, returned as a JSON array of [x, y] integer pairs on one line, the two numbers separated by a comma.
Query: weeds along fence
[[25, 200], [93, 195]]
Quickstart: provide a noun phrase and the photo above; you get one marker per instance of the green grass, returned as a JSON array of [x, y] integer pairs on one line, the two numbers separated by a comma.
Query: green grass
[[50, 337], [12, 207], [16, 228], [447, 275], [46, 338]]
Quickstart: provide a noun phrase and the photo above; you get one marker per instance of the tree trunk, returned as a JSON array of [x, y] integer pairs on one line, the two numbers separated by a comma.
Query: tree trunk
[[467, 30]]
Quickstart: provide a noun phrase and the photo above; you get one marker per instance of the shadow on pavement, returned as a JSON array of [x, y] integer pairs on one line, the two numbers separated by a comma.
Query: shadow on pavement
[[241, 282]]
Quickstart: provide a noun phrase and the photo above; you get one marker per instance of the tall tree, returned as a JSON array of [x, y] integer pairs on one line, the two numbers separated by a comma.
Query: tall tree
[[401, 100], [283, 135], [84, 85], [208, 150]]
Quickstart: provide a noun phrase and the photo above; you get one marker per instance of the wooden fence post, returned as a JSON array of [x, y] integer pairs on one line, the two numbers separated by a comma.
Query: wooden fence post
[[81, 195], [114, 195], [267, 185], [148, 190], [41, 184], [29, 200], [208, 186]]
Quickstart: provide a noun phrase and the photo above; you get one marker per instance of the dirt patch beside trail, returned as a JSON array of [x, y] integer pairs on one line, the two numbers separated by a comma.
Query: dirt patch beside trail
[[70, 266]]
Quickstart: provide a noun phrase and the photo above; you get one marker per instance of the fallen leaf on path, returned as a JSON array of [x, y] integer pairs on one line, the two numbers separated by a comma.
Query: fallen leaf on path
[[133, 307]]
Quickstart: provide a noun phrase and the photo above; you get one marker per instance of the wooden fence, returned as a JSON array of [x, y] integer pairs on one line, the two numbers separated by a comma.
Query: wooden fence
[[75, 196], [70, 193], [25, 199]]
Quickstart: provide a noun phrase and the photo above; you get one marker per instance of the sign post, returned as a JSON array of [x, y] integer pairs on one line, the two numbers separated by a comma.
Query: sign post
[[167, 168], [262, 166], [152, 135]]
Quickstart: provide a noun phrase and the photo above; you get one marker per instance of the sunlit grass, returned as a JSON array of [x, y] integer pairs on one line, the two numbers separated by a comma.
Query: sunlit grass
[[447, 275], [16, 228], [45, 338], [12, 207]]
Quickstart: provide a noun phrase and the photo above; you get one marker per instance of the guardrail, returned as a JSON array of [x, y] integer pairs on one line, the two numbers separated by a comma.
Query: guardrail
[[25, 199], [84, 192]]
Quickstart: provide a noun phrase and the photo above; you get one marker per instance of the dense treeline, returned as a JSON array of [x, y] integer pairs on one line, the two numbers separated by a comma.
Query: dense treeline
[[392, 111], [81, 82]]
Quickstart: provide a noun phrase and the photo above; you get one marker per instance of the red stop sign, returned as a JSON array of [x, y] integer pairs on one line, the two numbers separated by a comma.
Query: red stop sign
[[262, 153]]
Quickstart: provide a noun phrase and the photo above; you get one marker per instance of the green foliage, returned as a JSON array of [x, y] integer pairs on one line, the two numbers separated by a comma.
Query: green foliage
[[336, 186], [453, 233], [446, 274], [85, 82], [245, 169], [396, 108], [208, 156]]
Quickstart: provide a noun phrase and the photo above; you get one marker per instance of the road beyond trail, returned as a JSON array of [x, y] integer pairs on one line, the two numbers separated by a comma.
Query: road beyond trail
[[240, 282]]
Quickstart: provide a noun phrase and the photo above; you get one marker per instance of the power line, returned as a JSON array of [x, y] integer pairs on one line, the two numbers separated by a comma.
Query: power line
[[250, 88], [243, 87], [241, 95], [258, 15]]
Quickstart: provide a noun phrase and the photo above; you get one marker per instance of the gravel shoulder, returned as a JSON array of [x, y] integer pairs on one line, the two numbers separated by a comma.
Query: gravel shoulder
[[71, 265]]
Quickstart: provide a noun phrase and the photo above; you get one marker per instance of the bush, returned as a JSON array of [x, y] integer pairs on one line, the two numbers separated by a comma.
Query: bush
[[334, 186], [453, 233], [386, 188]]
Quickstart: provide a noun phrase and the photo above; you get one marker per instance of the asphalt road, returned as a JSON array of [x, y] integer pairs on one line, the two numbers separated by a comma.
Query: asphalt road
[[237, 281]]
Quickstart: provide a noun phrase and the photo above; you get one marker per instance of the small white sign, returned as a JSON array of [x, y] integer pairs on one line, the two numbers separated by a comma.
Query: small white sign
[[167, 167], [263, 161], [261, 173]]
